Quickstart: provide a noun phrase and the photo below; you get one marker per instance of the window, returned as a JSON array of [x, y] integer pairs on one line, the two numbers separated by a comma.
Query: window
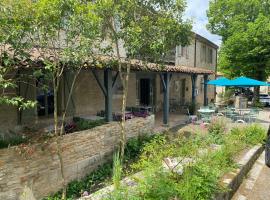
[[210, 55], [187, 52], [203, 53], [183, 51]]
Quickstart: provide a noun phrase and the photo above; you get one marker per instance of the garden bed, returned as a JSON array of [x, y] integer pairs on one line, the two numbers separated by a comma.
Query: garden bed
[[203, 178]]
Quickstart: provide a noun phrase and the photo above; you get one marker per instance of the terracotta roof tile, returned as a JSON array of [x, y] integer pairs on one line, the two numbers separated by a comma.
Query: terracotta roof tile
[[101, 61]]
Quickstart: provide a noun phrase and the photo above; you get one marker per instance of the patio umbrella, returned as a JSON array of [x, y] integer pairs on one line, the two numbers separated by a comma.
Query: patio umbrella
[[245, 82], [219, 82]]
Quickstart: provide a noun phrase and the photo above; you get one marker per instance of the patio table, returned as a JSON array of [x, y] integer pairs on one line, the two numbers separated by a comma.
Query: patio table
[[207, 113], [242, 111]]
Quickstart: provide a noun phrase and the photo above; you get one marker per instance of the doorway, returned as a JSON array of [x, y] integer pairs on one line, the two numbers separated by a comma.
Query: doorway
[[145, 91], [183, 91]]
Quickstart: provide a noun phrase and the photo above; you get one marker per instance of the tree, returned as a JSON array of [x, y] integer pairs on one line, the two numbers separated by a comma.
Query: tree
[[245, 28], [15, 26], [66, 35], [147, 30], [62, 34]]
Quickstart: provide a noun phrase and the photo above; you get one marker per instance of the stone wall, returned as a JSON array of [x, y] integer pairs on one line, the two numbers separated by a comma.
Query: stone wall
[[82, 153]]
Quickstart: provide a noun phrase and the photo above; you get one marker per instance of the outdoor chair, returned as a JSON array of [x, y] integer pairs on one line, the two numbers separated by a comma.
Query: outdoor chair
[[191, 118], [252, 115], [230, 113], [219, 114], [206, 118]]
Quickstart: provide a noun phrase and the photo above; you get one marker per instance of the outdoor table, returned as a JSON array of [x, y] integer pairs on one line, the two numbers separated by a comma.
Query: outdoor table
[[145, 108], [207, 112], [242, 111]]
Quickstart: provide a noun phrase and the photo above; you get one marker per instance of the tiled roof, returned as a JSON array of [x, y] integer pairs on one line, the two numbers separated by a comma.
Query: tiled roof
[[135, 64], [139, 65]]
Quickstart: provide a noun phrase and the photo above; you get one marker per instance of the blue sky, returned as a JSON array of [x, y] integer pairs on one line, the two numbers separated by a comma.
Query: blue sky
[[196, 10]]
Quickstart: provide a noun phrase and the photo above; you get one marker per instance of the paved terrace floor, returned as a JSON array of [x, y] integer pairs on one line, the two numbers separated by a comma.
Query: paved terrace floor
[[179, 119], [175, 119]]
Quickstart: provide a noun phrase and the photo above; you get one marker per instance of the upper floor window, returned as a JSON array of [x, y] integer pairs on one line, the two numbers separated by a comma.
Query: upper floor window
[[206, 54], [210, 55], [183, 51], [203, 53]]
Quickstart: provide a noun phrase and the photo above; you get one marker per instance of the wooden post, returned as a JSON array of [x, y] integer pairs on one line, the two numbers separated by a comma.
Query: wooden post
[[165, 78], [108, 97], [193, 81], [205, 99]]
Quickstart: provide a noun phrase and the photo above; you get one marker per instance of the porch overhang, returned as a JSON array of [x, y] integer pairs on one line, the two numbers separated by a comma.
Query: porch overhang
[[139, 65]]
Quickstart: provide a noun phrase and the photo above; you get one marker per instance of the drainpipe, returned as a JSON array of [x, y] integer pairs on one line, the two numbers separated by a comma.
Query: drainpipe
[[215, 89], [205, 98], [195, 53]]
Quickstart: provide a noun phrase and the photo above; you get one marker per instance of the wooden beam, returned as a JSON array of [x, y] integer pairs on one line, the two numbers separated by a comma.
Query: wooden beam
[[193, 82], [166, 98], [162, 81], [99, 82], [108, 98], [115, 78], [205, 98]]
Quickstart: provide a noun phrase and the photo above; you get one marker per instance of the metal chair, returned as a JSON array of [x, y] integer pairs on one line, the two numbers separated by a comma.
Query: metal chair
[[191, 118], [206, 118]]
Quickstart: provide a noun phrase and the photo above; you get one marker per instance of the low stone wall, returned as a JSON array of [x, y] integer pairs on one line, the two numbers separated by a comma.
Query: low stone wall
[[232, 180], [83, 152]]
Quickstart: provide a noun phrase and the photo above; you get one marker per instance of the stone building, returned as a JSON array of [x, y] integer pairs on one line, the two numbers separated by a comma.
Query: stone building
[[180, 82]]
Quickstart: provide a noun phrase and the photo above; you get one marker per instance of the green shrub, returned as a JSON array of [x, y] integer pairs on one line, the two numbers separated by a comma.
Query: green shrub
[[82, 124], [90, 183], [12, 140], [216, 129], [199, 182], [200, 179], [135, 146], [250, 135], [117, 170], [96, 179]]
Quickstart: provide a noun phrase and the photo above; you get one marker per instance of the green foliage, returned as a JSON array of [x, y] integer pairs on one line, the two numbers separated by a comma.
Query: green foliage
[[117, 171], [89, 183], [12, 140], [250, 135], [216, 128], [135, 146], [200, 179], [199, 182], [192, 108], [98, 178], [145, 33], [82, 124], [244, 27]]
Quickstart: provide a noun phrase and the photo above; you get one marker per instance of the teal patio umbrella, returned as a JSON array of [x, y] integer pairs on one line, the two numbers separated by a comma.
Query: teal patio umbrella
[[222, 81], [245, 82]]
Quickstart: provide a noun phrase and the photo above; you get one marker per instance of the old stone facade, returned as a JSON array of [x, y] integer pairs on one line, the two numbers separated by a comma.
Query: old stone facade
[[88, 99], [82, 153]]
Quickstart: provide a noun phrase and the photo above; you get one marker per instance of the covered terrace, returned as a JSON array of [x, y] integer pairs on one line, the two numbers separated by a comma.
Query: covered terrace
[[165, 72]]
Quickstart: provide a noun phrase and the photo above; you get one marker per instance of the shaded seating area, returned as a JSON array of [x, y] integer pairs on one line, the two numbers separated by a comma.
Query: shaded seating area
[[239, 113]]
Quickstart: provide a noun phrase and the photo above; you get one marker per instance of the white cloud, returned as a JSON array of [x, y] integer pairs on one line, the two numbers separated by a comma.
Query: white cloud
[[196, 11]]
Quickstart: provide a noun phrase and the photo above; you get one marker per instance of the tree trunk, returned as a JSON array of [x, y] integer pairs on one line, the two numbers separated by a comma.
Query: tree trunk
[[58, 134], [256, 95], [124, 102]]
